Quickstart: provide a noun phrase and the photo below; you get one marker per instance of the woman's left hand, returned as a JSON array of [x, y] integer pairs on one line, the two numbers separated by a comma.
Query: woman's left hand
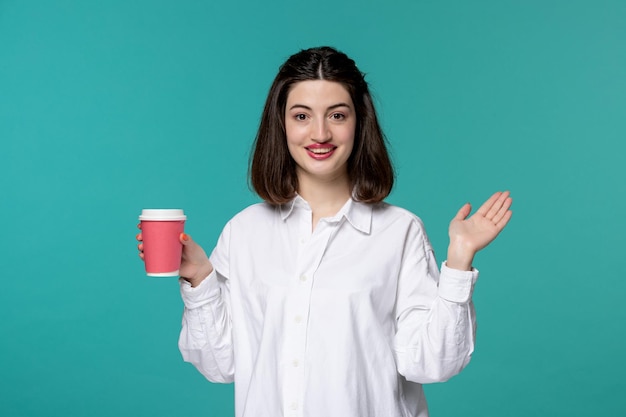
[[469, 235]]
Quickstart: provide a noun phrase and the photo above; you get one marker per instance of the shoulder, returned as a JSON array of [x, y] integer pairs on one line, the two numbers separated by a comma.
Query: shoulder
[[399, 222], [388, 213], [255, 212]]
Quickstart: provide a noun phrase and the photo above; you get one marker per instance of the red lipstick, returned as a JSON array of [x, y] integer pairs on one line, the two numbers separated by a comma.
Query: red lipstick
[[320, 151]]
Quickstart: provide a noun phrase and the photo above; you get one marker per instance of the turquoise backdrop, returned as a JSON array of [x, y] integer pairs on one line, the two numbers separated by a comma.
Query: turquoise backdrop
[[109, 107]]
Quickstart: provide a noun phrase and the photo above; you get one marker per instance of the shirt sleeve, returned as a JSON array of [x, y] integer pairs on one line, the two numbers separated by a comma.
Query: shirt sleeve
[[206, 336], [435, 317]]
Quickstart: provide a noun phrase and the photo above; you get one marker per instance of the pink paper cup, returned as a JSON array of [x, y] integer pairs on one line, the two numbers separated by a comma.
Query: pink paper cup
[[162, 250]]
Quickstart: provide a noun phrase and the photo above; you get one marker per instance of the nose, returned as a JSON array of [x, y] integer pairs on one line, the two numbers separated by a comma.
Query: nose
[[320, 131]]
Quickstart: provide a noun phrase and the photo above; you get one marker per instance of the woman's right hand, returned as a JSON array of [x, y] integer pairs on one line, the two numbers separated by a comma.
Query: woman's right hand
[[194, 266]]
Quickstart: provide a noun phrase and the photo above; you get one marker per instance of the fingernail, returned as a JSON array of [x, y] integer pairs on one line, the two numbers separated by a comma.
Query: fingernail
[[185, 237]]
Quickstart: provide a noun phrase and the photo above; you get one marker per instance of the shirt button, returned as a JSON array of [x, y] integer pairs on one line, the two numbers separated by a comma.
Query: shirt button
[[294, 406], [303, 278], [295, 363], [298, 319], [302, 240]]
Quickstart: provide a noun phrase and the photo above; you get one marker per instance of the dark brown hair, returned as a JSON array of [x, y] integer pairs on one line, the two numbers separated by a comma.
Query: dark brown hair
[[272, 170]]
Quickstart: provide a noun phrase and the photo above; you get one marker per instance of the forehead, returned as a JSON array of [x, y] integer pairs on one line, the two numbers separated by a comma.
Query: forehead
[[318, 92]]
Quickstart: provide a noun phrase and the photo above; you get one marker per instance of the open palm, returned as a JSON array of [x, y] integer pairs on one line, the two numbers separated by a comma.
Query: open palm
[[480, 229]]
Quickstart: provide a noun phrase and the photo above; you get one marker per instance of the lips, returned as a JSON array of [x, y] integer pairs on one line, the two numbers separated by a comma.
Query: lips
[[320, 151]]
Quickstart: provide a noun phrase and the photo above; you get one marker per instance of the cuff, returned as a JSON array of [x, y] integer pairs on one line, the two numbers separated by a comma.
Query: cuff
[[455, 285], [195, 297]]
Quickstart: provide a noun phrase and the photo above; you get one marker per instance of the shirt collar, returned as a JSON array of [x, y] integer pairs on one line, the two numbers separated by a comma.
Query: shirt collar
[[359, 215], [287, 208]]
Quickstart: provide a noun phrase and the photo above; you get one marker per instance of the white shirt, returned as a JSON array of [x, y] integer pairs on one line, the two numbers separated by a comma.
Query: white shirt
[[345, 321]]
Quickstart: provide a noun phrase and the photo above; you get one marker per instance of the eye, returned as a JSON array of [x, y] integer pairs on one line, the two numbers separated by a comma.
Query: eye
[[300, 117], [338, 116]]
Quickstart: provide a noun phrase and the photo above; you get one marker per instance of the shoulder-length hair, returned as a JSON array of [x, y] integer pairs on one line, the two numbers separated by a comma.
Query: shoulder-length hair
[[272, 170]]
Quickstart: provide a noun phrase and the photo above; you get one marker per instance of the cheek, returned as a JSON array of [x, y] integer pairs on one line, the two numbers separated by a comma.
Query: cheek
[[293, 144], [288, 137], [293, 133], [348, 136]]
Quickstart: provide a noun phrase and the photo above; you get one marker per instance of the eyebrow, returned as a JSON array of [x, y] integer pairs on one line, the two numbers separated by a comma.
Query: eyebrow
[[333, 107]]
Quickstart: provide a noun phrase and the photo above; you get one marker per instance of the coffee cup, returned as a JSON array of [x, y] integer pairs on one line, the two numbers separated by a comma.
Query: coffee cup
[[162, 250]]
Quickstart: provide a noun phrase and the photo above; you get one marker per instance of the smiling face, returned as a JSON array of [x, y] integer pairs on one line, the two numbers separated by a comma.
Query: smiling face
[[320, 123]]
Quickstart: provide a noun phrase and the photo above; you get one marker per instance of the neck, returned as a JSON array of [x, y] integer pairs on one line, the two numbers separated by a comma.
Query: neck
[[325, 197]]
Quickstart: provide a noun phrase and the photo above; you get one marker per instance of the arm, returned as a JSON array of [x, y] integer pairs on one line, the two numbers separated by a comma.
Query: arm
[[206, 335], [436, 320]]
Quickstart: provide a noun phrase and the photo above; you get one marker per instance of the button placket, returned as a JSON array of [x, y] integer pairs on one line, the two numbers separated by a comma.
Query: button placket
[[297, 313], [310, 253], [296, 342]]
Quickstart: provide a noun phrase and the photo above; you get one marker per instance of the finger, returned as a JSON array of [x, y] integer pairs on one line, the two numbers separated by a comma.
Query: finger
[[184, 238], [139, 237], [505, 220], [139, 226], [140, 247], [505, 207], [495, 207], [141, 255], [484, 209], [463, 212]]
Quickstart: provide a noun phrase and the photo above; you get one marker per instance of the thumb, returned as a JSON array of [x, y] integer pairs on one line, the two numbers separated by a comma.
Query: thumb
[[193, 254], [185, 239], [190, 247], [463, 212]]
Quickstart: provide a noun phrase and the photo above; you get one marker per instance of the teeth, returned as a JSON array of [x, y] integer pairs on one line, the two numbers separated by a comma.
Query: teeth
[[320, 150]]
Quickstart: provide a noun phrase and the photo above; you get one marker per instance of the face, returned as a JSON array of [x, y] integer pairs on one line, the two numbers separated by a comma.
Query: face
[[320, 122]]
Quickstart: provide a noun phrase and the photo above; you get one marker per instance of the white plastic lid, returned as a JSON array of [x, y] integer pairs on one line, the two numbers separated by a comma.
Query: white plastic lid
[[162, 214]]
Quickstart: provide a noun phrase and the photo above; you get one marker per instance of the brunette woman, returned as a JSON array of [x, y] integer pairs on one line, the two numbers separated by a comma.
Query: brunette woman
[[324, 300]]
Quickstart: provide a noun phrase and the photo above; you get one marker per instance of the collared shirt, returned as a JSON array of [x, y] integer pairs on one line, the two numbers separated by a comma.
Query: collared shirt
[[347, 320]]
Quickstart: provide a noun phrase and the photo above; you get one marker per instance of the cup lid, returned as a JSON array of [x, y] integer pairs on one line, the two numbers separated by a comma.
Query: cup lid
[[162, 214]]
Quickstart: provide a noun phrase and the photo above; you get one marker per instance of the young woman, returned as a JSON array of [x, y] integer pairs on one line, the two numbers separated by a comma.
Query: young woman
[[324, 300]]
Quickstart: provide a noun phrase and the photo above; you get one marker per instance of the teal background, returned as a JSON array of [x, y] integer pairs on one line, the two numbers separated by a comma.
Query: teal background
[[110, 107]]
